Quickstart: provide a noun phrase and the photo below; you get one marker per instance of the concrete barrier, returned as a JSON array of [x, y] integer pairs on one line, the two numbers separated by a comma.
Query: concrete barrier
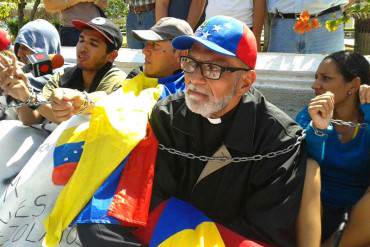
[[284, 78]]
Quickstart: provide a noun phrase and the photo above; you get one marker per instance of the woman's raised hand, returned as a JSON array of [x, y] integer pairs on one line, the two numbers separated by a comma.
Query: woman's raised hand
[[321, 110]]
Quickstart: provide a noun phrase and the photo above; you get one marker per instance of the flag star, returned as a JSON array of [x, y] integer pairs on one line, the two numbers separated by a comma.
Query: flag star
[[66, 159], [216, 28], [205, 35], [228, 25], [75, 152]]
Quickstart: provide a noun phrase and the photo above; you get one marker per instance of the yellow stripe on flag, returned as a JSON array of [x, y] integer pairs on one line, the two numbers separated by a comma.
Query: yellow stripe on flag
[[73, 134], [204, 235]]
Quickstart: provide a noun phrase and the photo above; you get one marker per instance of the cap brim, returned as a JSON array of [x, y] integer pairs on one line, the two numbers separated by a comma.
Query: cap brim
[[81, 25], [147, 35], [185, 42]]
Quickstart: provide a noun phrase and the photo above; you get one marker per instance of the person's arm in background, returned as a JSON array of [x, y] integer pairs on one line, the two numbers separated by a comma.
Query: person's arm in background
[[103, 4], [259, 12], [53, 6], [161, 9], [195, 12], [357, 231], [309, 218]]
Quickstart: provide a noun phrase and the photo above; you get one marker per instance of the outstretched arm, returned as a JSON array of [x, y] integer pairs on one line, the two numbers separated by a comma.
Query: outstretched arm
[[309, 218]]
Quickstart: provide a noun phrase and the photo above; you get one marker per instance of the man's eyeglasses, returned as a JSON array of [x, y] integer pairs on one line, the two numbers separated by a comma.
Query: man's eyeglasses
[[208, 70]]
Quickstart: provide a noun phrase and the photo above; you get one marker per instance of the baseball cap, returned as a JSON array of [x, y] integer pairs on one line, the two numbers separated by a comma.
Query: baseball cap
[[225, 35], [166, 28], [105, 27]]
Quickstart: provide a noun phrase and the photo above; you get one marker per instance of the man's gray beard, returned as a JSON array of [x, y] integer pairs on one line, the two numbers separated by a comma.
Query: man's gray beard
[[209, 108]]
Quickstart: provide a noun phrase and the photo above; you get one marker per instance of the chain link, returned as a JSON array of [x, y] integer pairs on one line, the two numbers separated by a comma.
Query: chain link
[[19, 104], [349, 124], [256, 157]]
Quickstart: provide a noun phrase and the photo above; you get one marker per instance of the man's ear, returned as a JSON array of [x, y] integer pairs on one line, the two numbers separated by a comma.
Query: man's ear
[[112, 56], [247, 80]]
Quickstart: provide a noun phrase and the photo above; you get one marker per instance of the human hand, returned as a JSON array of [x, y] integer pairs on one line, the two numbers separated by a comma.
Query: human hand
[[12, 79], [364, 94], [66, 102], [321, 110]]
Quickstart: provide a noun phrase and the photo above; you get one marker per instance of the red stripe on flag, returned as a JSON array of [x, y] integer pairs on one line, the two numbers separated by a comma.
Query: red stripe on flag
[[132, 199], [144, 234], [233, 239], [62, 174]]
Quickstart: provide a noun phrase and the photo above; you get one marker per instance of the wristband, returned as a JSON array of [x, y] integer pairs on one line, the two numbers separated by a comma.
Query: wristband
[[87, 102]]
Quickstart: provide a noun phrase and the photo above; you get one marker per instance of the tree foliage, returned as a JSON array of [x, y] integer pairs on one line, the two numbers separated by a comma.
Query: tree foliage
[[358, 10], [8, 6], [117, 11]]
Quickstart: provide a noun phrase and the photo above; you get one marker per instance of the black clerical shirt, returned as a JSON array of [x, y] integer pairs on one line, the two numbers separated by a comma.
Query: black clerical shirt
[[257, 199]]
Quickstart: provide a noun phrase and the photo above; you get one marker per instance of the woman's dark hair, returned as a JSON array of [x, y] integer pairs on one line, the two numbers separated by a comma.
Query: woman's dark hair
[[351, 65]]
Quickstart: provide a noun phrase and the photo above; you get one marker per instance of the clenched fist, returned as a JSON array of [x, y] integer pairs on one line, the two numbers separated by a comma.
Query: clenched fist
[[321, 110]]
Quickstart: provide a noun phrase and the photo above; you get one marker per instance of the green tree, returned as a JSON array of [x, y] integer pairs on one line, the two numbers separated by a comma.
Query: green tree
[[117, 11], [8, 6]]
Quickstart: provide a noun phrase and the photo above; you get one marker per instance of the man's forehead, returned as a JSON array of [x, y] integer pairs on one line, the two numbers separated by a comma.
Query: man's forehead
[[159, 42], [93, 34], [204, 54]]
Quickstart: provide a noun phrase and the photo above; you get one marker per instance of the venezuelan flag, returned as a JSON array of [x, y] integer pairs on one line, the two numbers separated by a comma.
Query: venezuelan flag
[[117, 200], [67, 153], [116, 126], [178, 223], [181, 224]]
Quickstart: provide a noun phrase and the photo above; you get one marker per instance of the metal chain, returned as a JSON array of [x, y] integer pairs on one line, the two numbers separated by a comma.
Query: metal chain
[[256, 157], [19, 104], [349, 124]]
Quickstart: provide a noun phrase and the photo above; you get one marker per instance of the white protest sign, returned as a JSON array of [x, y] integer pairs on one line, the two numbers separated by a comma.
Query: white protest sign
[[30, 197]]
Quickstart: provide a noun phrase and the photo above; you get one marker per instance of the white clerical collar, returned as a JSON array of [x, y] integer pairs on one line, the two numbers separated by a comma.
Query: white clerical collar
[[214, 120]]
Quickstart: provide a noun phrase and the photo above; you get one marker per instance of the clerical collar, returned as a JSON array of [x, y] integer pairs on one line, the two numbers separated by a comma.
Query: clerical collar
[[224, 118], [214, 120]]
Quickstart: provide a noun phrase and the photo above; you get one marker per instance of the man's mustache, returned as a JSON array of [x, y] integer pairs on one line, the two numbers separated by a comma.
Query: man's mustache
[[197, 89]]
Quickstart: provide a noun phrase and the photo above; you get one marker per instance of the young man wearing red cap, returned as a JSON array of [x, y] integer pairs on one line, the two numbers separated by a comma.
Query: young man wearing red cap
[[226, 152], [96, 50]]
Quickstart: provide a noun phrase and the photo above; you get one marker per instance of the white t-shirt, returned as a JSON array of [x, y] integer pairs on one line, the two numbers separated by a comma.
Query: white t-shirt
[[296, 6], [239, 9]]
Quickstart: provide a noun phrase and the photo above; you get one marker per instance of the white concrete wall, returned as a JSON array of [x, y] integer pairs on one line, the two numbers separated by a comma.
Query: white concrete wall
[[284, 78]]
